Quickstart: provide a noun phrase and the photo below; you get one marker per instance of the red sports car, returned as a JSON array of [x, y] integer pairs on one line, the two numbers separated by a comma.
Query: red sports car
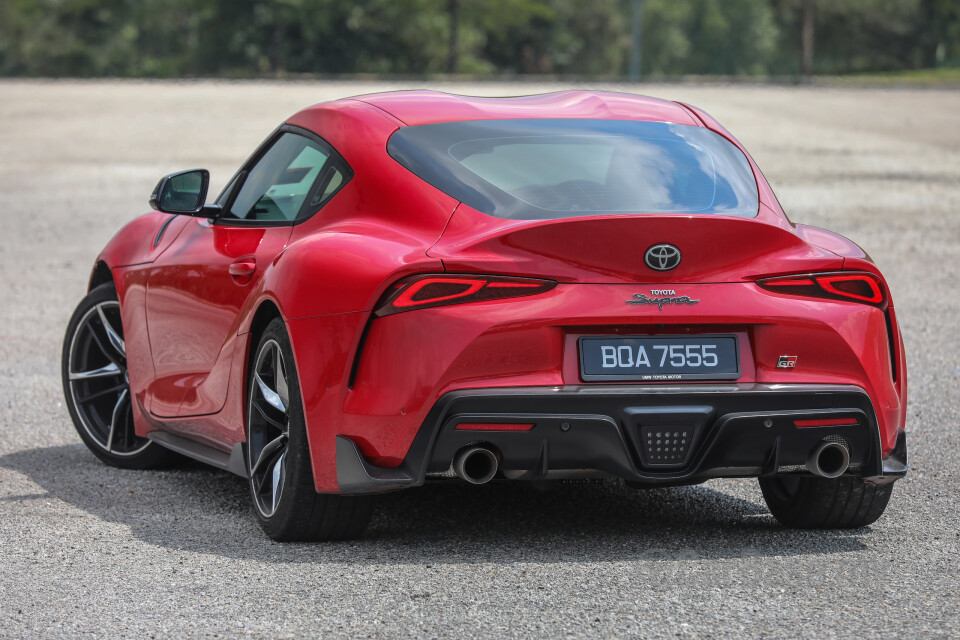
[[414, 286]]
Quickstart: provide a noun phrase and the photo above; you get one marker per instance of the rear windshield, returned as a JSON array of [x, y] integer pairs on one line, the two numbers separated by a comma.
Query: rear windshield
[[543, 169]]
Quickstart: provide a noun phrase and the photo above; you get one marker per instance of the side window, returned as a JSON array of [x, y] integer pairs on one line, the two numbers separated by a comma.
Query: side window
[[280, 182], [333, 179]]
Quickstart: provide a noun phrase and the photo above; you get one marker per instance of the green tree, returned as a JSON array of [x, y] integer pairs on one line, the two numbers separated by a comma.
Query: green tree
[[868, 35], [237, 38]]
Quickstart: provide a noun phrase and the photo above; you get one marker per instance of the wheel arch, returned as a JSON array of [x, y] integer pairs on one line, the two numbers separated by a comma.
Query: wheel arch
[[267, 311], [101, 274]]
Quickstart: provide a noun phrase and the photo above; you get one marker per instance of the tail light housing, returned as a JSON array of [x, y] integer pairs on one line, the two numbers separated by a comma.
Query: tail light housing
[[849, 286], [426, 291]]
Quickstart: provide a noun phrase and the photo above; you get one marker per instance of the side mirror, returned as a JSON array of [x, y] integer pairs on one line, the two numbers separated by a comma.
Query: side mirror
[[184, 193]]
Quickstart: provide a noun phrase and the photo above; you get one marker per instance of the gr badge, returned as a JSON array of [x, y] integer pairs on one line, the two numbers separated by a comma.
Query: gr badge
[[787, 362]]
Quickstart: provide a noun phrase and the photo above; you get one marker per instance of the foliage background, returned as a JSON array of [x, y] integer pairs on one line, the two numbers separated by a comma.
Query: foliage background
[[254, 38]]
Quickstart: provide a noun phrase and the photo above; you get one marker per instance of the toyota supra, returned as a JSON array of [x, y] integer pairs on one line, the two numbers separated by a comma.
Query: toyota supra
[[415, 287]]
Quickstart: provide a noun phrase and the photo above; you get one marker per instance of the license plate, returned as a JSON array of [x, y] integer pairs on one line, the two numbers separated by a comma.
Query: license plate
[[659, 358]]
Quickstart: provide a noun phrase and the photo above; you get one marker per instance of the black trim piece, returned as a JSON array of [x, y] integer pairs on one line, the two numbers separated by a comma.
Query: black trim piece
[[894, 352], [335, 163], [163, 227], [236, 184], [747, 431], [356, 475], [239, 222], [358, 352], [689, 419], [896, 465], [232, 462]]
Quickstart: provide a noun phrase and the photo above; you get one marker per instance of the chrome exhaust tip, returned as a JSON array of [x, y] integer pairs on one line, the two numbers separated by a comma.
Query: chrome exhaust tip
[[829, 460], [476, 465]]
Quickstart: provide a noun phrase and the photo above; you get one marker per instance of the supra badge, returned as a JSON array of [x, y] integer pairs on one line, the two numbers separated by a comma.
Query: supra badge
[[661, 297]]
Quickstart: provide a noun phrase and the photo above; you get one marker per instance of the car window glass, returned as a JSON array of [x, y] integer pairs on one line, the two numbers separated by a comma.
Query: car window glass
[[334, 181], [554, 168], [279, 183]]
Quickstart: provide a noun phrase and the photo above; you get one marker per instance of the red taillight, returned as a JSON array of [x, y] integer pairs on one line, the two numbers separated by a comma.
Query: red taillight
[[852, 287], [856, 287], [826, 422], [433, 291], [420, 292]]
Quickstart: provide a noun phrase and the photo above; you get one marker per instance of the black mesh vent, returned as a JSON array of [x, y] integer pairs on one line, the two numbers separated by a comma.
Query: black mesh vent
[[666, 446]]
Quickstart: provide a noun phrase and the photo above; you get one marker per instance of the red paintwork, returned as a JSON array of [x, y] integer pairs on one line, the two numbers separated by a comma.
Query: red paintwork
[[427, 107], [593, 250], [193, 306], [326, 275]]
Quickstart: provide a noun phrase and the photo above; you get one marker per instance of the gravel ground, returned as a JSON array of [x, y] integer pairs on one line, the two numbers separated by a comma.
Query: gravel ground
[[91, 551]]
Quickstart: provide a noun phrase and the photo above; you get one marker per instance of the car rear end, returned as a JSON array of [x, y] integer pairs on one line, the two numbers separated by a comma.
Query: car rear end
[[618, 299]]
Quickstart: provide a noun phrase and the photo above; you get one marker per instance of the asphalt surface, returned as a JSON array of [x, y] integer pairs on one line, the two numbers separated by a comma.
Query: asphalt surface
[[91, 551]]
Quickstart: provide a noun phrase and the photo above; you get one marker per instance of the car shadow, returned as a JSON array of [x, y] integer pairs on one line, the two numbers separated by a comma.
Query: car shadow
[[199, 509]]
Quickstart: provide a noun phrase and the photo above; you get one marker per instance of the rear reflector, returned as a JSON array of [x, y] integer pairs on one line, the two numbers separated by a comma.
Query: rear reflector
[[827, 422], [492, 426]]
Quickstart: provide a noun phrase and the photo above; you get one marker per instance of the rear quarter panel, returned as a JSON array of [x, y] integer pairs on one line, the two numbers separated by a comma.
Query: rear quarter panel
[[338, 263]]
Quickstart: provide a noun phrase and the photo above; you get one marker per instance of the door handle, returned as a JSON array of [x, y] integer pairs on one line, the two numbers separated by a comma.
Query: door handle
[[243, 268]]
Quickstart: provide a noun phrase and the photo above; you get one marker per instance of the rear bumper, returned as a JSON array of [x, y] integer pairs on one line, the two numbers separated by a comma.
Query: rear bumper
[[708, 431]]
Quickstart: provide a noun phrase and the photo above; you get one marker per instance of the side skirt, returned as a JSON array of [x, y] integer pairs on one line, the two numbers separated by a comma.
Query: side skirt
[[232, 462]]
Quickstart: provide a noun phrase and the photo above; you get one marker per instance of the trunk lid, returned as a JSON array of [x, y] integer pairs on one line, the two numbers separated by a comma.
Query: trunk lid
[[611, 248]]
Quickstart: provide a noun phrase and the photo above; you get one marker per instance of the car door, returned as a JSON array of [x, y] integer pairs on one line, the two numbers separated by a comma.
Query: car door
[[197, 288]]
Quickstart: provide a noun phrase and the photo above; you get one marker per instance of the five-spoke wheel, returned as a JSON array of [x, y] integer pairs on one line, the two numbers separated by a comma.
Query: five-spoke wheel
[[269, 427], [278, 457], [97, 384]]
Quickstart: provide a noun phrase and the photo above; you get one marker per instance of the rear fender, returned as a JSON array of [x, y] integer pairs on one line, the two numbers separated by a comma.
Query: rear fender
[[331, 273], [325, 285], [323, 350]]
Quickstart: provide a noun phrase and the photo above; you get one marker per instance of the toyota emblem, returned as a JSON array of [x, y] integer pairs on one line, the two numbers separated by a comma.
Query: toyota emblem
[[662, 257]]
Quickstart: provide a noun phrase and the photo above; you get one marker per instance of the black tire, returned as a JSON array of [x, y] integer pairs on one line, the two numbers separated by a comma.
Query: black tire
[[96, 385], [810, 502], [278, 459]]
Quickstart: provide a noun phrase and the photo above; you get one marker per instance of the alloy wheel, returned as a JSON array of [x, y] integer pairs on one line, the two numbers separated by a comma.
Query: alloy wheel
[[100, 383], [268, 430]]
